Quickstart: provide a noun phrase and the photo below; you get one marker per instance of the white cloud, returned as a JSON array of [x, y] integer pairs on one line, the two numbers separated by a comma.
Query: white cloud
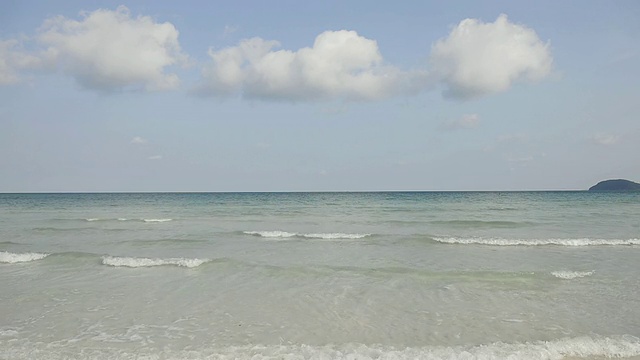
[[139, 140], [12, 60], [467, 121], [109, 50], [340, 65], [482, 58], [155, 157], [605, 139]]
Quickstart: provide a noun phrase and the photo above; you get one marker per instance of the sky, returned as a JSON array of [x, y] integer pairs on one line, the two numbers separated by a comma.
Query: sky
[[318, 96]]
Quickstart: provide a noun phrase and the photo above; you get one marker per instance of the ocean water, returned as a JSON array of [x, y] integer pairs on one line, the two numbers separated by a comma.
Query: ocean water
[[398, 275]]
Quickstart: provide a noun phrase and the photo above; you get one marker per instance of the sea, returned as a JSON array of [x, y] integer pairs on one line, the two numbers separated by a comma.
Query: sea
[[346, 275]]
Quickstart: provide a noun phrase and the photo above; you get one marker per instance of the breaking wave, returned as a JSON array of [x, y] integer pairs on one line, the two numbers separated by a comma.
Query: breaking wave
[[568, 275], [126, 219], [326, 236], [135, 262], [534, 242], [12, 258], [577, 348]]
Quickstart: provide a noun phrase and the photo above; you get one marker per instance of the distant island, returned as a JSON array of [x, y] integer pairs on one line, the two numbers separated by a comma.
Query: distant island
[[615, 185]]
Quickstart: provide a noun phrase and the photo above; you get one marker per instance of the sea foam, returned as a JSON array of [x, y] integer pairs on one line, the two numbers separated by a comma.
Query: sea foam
[[285, 234], [534, 242], [126, 219], [271, 234], [135, 262], [12, 258], [569, 275], [576, 348], [579, 347]]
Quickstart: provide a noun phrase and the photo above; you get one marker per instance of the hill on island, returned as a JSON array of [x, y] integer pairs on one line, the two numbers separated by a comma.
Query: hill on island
[[615, 185]]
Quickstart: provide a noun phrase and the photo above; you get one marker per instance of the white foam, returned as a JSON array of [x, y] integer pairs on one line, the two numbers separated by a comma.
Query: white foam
[[111, 219], [568, 275], [12, 258], [326, 236], [156, 220], [135, 262], [580, 347], [330, 236], [535, 242], [8, 333], [271, 234]]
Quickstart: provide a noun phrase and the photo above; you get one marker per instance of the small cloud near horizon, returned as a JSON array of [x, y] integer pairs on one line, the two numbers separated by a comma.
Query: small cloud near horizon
[[139, 140], [155, 157], [605, 139], [467, 121]]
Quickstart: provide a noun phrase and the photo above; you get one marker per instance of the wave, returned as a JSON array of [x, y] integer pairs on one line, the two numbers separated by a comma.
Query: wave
[[569, 275], [285, 234], [270, 234], [99, 219], [534, 242], [135, 262], [482, 223], [580, 347], [9, 243], [170, 241], [12, 258], [52, 229], [584, 347], [125, 219]]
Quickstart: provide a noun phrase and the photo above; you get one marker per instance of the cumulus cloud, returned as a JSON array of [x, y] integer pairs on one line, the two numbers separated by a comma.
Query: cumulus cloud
[[467, 121], [475, 59], [340, 64], [13, 59], [110, 50], [479, 58]]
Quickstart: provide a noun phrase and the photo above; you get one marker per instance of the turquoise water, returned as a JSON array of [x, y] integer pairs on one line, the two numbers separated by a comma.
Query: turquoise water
[[541, 275]]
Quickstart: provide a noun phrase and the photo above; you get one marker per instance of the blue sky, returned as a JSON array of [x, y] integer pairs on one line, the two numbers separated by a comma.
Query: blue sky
[[322, 96]]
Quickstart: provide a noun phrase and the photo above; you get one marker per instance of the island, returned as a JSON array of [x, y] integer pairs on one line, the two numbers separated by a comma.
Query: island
[[616, 185]]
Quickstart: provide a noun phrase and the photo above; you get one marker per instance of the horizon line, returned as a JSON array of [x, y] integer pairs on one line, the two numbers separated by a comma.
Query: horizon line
[[277, 191]]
